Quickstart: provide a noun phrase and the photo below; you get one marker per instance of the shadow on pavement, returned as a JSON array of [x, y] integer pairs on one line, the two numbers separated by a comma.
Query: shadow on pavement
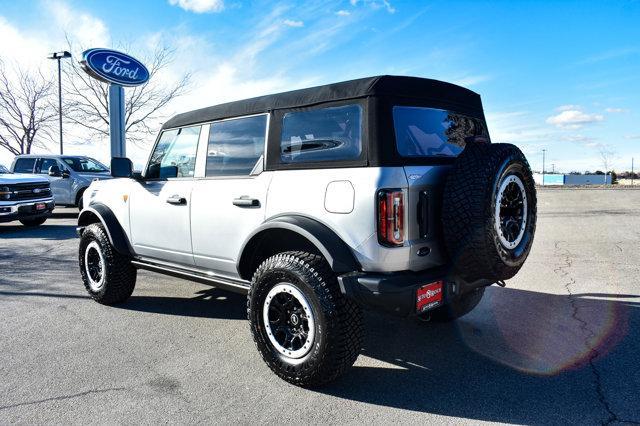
[[208, 303], [520, 357], [47, 231], [66, 213]]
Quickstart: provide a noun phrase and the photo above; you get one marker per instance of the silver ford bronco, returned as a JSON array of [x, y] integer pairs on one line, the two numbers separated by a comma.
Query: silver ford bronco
[[382, 193]]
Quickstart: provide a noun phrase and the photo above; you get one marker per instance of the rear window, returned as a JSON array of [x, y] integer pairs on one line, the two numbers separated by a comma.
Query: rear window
[[24, 165], [325, 134], [430, 132]]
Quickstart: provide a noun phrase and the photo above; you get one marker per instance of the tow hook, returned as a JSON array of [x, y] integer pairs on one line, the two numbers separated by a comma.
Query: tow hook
[[501, 283]]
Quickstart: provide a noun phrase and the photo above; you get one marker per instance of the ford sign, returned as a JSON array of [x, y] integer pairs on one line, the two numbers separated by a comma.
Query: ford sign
[[114, 67]]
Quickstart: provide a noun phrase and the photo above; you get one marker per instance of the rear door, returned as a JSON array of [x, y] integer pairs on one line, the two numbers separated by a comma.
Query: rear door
[[160, 203], [229, 202]]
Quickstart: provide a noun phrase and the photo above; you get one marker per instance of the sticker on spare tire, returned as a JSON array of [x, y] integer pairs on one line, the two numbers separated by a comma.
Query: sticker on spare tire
[[429, 296]]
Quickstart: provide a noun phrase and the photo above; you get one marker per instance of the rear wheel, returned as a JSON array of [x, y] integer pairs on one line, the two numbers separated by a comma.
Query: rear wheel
[[108, 276], [33, 222], [306, 330]]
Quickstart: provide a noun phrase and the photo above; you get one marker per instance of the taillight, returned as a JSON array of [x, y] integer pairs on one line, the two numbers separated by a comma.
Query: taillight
[[391, 217]]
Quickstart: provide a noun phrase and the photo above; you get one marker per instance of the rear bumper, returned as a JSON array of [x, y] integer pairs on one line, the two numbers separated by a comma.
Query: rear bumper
[[396, 292], [25, 210]]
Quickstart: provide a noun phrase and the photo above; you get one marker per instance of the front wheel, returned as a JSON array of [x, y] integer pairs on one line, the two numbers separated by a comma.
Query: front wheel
[[306, 330], [108, 276]]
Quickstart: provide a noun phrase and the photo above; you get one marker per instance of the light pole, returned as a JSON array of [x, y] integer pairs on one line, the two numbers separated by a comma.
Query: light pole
[[632, 171], [544, 151], [60, 55]]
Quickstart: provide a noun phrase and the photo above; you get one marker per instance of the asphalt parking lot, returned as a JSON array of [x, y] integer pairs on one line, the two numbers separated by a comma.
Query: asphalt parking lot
[[559, 344]]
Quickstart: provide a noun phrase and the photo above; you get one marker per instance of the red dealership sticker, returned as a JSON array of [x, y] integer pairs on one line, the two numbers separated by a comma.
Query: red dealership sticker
[[429, 296]]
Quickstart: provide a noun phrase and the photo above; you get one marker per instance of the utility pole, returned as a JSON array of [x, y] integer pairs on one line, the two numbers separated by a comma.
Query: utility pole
[[544, 151], [553, 167], [632, 171], [58, 56]]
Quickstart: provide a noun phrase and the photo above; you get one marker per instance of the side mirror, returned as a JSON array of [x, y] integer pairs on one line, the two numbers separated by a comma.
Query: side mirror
[[168, 172], [54, 171], [121, 167]]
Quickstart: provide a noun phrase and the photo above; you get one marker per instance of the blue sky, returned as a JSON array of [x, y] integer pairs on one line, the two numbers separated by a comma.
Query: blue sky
[[559, 75]]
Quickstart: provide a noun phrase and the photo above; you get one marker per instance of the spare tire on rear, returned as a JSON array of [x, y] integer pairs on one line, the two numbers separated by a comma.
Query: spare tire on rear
[[489, 212]]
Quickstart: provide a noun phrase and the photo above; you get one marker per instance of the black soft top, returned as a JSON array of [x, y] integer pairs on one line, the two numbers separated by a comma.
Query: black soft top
[[442, 94]]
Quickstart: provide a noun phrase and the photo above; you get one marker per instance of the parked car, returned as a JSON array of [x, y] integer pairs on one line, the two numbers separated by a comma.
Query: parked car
[[25, 198], [382, 193], [69, 175]]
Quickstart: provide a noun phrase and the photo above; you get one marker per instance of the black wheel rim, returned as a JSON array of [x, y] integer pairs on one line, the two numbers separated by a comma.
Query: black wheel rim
[[511, 211], [289, 321]]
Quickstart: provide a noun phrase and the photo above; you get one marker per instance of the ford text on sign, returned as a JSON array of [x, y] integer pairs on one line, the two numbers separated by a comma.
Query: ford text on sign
[[115, 67]]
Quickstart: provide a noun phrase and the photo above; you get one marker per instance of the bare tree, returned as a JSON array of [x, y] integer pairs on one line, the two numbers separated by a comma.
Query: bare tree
[[26, 111], [606, 156], [87, 105]]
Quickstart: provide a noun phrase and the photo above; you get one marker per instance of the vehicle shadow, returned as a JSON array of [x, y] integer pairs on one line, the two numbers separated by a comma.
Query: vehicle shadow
[[207, 303], [520, 357], [46, 231], [65, 213]]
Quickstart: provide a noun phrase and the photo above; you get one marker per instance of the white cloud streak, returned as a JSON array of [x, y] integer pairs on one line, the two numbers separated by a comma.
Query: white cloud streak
[[573, 119], [199, 6]]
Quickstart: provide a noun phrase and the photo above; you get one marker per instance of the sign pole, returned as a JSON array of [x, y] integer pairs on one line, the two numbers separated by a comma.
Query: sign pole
[[116, 121]]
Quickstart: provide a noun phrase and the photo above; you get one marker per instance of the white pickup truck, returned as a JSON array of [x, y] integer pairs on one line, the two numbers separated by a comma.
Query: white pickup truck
[[26, 198]]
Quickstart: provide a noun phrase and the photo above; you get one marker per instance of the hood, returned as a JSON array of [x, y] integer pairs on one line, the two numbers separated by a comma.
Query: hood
[[92, 176], [10, 178]]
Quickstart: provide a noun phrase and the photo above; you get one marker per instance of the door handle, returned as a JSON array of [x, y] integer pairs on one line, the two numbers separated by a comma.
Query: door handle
[[177, 200], [246, 202]]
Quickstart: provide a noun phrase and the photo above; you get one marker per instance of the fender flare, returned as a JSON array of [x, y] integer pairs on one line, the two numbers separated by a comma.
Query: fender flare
[[337, 253], [117, 237]]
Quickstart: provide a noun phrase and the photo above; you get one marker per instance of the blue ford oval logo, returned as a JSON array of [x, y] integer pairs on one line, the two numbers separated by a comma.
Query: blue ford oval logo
[[115, 67]]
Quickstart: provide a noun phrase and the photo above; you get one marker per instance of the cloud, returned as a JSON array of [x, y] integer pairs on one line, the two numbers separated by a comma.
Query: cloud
[[79, 25], [631, 137], [292, 23], [568, 107], [199, 6], [343, 13], [375, 4], [470, 80], [573, 119], [616, 110]]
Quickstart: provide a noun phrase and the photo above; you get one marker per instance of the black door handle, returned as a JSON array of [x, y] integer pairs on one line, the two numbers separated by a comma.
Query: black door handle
[[176, 199], [246, 202]]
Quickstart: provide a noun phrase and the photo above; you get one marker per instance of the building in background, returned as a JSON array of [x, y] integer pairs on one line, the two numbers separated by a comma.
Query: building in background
[[562, 179]]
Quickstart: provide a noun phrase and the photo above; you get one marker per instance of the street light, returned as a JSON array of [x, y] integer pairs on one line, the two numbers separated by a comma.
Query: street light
[[60, 55]]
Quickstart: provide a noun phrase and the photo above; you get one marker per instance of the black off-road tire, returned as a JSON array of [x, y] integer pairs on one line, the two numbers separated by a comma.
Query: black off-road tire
[[338, 320], [33, 222], [468, 212], [119, 273], [459, 307]]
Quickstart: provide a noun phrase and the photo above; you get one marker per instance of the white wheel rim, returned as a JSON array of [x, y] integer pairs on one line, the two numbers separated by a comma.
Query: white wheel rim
[[302, 313], [94, 266], [508, 241]]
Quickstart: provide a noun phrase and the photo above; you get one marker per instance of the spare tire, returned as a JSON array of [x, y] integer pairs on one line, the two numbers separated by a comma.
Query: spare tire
[[489, 212]]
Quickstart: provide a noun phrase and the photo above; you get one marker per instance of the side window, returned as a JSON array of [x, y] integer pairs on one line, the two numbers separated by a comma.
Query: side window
[[326, 134], [45, 163], [24, 165], [175, 154], [235, 145]]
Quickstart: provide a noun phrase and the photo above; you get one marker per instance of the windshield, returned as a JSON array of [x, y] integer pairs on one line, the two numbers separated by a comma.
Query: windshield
[[430, 132], [85, 165], [3, 170]]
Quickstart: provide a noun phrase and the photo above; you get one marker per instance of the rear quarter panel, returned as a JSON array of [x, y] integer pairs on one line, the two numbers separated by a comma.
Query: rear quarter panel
[[304, 192]]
